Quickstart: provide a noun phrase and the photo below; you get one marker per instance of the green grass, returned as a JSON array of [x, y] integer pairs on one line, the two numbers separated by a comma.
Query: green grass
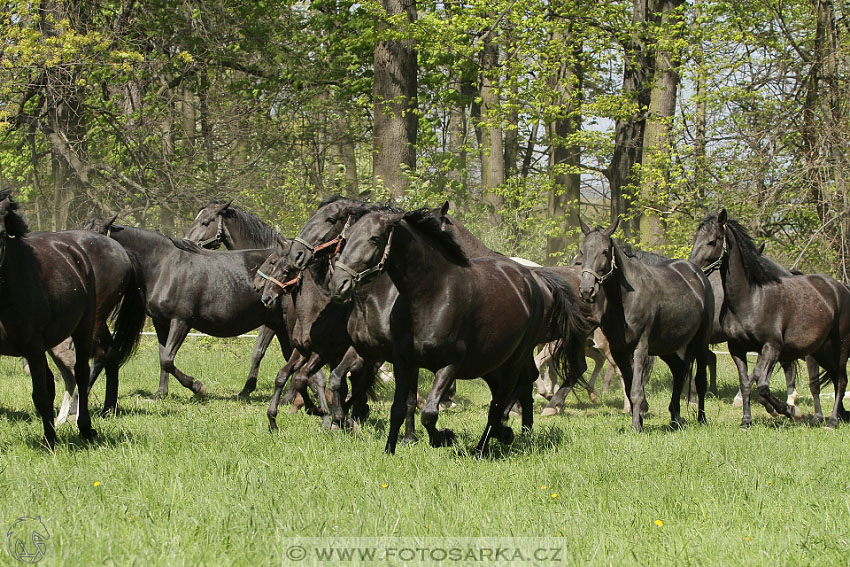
[[183, 482]]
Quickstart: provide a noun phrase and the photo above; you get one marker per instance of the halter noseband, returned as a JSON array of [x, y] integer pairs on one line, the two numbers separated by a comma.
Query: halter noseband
[[377, 268], [281, 285], [601, 279], [708, 270]]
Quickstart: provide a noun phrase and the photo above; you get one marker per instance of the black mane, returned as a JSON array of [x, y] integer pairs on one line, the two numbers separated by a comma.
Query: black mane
[[428, 224], [251, 225], [758, 268], [357, 208], [15, 223], [648, 258]]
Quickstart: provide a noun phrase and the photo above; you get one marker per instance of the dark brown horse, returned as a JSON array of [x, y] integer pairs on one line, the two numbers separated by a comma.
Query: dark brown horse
[[64, 284], [187, 287], [664, 309], [221, 223], [782, 318], [464, 318]]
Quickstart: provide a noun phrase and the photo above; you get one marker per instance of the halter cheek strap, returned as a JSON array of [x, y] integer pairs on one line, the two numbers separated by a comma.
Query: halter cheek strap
[[716, 264], [217, 238], [601, 279], [338, 240], [377, 268]]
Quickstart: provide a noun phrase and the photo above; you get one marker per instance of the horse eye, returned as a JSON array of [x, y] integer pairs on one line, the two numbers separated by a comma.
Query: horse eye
[[713, 242], [331, 220]]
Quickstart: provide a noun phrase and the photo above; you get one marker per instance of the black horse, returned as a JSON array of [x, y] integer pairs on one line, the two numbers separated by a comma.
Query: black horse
[[781, 317], [187, 287], [664, 309], [221, 223], [464, 318], [64, 284], [370, 323]]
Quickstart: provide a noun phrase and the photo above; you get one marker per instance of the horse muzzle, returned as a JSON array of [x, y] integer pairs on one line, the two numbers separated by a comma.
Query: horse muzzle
[[342, 289]]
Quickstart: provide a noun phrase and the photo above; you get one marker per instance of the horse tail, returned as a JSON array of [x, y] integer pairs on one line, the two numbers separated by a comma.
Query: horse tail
[[569, 325], [128, 321]]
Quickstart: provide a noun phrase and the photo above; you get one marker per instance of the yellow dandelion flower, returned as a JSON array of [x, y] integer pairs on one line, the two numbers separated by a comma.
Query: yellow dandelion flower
[[543, 487], [747, 538], [385, 485], [554, 495], [770, 482], [659, 523], [97, 483]]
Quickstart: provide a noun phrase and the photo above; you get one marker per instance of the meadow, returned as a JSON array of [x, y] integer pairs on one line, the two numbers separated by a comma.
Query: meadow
[[186, 482]]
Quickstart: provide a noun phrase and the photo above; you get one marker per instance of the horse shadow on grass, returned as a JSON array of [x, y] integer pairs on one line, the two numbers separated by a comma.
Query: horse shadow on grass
[[15, 415]]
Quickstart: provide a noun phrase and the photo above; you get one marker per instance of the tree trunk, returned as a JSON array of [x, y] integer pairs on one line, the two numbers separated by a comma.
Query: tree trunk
[[628, 132], [656, 154], [565, 156], [491, 146], [394, 96]]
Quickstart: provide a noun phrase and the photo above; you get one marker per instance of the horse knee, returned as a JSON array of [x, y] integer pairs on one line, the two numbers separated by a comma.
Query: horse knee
[[429, 417]]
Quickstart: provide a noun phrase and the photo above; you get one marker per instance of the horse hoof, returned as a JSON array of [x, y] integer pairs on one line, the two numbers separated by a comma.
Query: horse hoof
[[411, 439], [677, 423], [506, 436], [243, 397], [745, 424], [158, 395], [832, 423], [273, 426], [88, 435], [796, 414], [352, 426], [199, 388], [447, 438], [107, 412], [548, 412], [594, 398]]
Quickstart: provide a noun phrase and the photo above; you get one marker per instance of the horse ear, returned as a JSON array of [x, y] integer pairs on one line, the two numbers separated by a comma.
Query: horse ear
[[722, 217], [613, 228], [444, 210], [584, 228], [224, 207], [760, 248], [111, 220]]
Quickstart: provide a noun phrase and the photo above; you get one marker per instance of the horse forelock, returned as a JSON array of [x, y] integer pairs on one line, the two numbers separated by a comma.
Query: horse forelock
[[425, 222]]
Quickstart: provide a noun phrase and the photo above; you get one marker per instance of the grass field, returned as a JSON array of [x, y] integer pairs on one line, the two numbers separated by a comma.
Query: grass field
[[183, 482]]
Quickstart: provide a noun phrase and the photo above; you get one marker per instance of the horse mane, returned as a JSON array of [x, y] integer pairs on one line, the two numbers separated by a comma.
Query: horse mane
[[428, 224], [358, 208], [186, 245], [647, 258], [757, 267], [251, 225], [15, 223]]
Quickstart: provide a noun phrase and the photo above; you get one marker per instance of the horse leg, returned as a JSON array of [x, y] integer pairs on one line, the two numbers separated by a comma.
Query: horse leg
[[295, 361], [790, 369], [363, 375], [739, 357], [840, 386], [598, 363], [412, 405], [83, 336], [545, 385], [176, 335], [711, 361], [764, 366], [431, 411], [161, 326], [680, 374], [41, 397], [813, 369], [60, 354], [500, 390], [106, 357], [405, 377], [638, 394], [264, 339], [301, 379]]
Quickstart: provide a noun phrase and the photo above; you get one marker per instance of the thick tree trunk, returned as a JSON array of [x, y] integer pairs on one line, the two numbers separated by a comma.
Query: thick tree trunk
[[394, 95]]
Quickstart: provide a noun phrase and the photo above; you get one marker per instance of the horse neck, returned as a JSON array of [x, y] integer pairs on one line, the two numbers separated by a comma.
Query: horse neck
[[240, 239], [414, 263], [737, 290], [311, 296], [473, 247], [149, 249], [619, 283]]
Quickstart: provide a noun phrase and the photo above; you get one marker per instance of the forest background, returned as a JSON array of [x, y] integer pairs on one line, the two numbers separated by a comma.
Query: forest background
[[523, 113]]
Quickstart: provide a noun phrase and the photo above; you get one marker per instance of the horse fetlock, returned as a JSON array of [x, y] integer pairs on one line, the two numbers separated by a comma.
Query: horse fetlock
[[504, 434], [199, 388]]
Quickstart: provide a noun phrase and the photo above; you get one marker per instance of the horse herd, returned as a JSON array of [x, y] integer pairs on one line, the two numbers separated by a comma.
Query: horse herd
[[363, 284]]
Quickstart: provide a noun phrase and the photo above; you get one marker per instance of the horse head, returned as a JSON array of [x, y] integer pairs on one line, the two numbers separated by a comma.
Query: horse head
[[208, 229], [329, 222], [101, 226], [597, 257], [367, 248], [272, 279], [710, 243]]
